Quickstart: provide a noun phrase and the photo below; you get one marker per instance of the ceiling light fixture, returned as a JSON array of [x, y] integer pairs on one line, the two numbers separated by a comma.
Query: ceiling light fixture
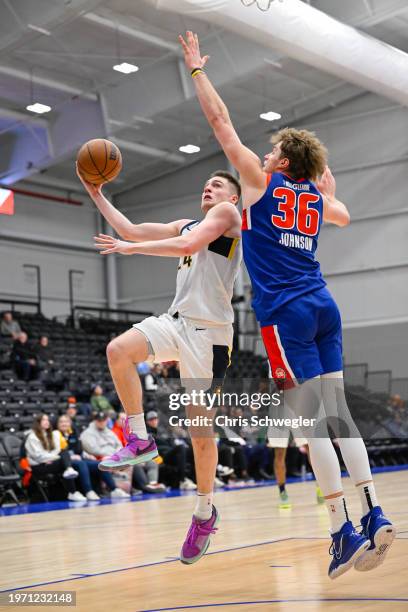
[[36, 107], [189, 149], [39, 108], [125, 68], [270, 116]]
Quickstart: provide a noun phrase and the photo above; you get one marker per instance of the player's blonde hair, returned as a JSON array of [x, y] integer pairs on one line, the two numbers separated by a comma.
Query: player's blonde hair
[[306, 154]]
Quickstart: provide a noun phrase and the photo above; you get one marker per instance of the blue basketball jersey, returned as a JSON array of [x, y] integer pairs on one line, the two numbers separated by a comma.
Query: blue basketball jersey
[[279, 239]]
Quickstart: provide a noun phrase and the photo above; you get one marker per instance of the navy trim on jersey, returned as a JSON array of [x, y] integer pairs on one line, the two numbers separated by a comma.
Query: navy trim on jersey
[[221, 246], [221, 361], [187, 225]]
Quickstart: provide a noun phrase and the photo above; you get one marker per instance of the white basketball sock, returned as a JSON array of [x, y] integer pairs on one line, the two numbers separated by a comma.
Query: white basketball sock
[[367, 496], [203, 508], [137, 425], [337, 512]]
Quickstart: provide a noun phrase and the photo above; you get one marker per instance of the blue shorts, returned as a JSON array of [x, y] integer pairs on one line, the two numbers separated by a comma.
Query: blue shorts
[[303, 339]]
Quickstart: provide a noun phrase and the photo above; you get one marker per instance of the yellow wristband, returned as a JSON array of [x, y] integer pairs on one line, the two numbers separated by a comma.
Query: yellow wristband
[[196, 71]]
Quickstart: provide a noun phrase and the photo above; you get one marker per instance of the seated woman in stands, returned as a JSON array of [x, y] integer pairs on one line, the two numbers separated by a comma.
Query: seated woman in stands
[[86, 465], [44, 453]]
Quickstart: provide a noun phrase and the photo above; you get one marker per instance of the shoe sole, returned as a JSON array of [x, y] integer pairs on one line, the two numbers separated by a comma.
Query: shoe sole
[[202, 553], [123, 465], [371, 559], [344, 567]]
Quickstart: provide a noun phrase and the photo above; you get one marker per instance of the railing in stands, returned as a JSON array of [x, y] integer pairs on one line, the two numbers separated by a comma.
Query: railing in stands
[[379, 381], [114, 315], [13, 303], [355, 374], [246, 327]]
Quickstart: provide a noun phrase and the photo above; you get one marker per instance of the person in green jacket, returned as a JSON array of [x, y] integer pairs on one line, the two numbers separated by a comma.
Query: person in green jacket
[[99, 401]]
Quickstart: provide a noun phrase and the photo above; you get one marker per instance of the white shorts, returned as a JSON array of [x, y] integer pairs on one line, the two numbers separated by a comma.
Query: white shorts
[[284, 441], [203, 352]]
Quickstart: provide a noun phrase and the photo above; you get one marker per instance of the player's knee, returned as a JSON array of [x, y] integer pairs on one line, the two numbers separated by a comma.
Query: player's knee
[[203, 444], [115, 352]]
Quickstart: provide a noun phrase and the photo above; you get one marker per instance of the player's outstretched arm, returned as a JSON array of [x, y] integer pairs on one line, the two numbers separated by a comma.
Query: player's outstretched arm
[[334, 211], [243, 159], [223, 218], [121, 224]]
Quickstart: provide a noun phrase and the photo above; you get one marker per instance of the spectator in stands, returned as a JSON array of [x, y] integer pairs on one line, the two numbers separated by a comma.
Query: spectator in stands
[[172, 451], [85, 465], [150, 380], [98, 401], [118, 427], [99, 441], [10, 327], [49, 374], [398, 412], [173, 369], [396, 403], [72, 409], [45, 355], [234, 437], [45, 456], [145, 478], [23, 358]]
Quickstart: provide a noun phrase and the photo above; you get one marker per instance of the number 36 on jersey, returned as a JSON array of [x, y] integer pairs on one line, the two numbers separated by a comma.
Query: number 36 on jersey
[[296, 210]]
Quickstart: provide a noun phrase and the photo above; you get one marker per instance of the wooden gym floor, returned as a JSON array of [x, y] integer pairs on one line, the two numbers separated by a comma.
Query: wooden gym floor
[[123, 556]]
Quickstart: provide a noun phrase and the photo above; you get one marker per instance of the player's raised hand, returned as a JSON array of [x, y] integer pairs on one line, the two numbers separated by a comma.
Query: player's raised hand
[[327, 184], [191, 48], [93, 190], [109, 244]]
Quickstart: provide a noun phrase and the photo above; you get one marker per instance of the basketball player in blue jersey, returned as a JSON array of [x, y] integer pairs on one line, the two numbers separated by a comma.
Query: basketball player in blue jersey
[[196, 331], [299, 320]]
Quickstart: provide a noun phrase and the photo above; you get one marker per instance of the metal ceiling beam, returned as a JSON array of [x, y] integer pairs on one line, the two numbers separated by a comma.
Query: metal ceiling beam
[[300, 112], [142, 149], [7, 113], [150, 39], [49, 181], [46, 82], [392, 11]]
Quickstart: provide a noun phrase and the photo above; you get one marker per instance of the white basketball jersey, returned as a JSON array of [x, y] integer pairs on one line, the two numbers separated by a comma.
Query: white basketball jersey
[[205, 281]]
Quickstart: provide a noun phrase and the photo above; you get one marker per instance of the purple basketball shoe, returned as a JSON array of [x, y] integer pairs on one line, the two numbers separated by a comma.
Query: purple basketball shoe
[[198, 538], [136, 451]]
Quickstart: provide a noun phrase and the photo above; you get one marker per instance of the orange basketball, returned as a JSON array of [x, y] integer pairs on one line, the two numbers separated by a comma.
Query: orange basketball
[[99, 161]]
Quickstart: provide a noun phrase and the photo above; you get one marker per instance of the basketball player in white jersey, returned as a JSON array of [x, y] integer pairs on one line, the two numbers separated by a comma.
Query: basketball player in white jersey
[[197, 330]]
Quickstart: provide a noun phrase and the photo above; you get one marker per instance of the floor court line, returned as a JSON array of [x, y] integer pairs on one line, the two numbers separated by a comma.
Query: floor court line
[[65, 505], [271, 601], [81, 576], [225, 519]]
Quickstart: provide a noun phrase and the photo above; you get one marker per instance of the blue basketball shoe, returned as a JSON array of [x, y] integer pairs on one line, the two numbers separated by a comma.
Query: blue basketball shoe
[[347, 546], [381, 533]]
